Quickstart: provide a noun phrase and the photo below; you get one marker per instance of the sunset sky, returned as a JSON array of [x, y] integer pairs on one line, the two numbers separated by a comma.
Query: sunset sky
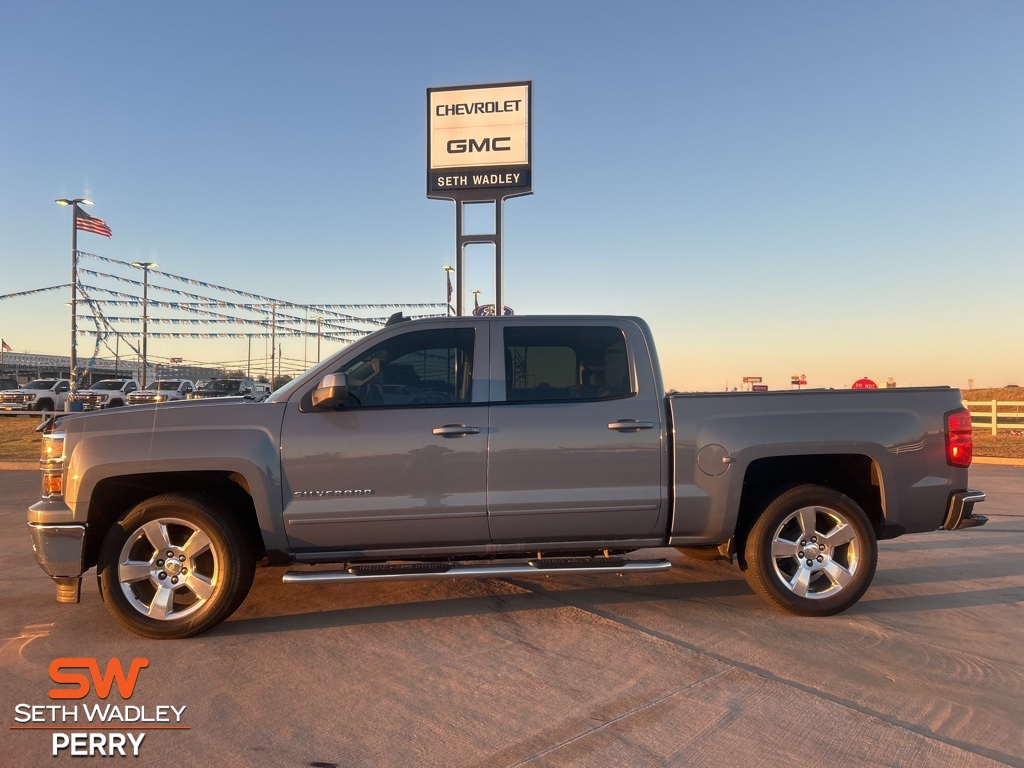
[[827, 188]]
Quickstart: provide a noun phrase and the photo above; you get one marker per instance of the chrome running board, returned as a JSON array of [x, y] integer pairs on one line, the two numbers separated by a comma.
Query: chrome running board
[[444, 570]]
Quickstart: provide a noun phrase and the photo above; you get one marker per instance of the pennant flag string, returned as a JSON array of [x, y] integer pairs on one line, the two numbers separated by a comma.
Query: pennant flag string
[[186, 335], [37, 290], [187, 307], [263, 308], [267, 299]]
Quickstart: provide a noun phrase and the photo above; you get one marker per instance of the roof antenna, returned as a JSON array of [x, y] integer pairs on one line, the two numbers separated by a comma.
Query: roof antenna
[[396, 318]]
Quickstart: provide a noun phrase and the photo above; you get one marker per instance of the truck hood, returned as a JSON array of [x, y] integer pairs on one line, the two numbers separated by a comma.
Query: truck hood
[[143, 415]]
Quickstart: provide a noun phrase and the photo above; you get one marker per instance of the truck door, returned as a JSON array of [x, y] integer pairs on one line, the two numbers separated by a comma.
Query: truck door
[[575, 451], [387, 471]]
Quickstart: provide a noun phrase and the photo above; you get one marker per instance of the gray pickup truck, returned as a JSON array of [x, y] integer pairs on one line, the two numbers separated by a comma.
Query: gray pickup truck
[[543, 445]]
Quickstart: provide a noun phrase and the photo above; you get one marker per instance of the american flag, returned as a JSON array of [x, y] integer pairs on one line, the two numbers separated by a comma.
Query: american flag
[[87, 223], [6, 346]]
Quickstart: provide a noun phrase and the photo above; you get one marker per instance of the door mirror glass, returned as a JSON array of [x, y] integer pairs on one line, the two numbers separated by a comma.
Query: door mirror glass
[[332, 392]]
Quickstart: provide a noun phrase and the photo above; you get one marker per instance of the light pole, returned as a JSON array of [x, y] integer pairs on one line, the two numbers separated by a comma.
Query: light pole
[[319, 320], [74, 203], [448, 288], [273, 340], [145, 266], [476, 300]]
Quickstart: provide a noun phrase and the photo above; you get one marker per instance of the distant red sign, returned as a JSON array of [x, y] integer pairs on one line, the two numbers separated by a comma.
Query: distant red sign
[[760, 387], [864, 384]]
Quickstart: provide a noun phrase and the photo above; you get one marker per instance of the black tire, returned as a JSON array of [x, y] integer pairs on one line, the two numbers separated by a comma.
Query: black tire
[[175, 565], [44, 405], [817, 525]]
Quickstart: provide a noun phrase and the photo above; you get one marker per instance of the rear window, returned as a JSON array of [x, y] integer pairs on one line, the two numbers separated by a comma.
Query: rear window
[[565, 363]]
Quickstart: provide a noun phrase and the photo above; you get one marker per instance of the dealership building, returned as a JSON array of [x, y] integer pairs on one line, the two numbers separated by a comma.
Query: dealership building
[[25, 367]]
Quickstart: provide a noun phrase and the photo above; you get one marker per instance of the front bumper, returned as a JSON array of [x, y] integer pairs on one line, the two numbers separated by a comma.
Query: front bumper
[[59, 551], [960, 513], [15, 406]]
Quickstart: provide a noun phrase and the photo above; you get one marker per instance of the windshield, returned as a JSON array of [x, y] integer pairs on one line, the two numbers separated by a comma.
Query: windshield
[[107, 385], [41, 384], [165, 385], [287, 387], [222, 385]]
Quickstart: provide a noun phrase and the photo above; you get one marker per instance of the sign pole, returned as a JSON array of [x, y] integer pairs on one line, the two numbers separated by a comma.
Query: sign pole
[[499, 288], [460, 260]]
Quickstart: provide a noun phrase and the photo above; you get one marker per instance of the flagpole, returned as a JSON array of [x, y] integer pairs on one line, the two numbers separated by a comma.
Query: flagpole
[[74, 299], [448, 290], [73, 372]]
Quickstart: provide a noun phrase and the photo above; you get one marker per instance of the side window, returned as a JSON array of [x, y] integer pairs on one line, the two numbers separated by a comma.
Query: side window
[[418, 368], [63, 387], [567, 363]]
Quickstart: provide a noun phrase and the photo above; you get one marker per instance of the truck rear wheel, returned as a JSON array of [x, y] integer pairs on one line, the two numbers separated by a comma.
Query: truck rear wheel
[[812, 552], [175, 566]]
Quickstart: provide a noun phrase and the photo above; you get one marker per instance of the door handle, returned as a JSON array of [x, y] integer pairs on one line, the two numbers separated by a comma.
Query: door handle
[[455, 430], [630, 425]]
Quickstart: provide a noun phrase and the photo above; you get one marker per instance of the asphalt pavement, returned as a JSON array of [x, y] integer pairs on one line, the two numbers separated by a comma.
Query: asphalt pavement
[[682, 668]]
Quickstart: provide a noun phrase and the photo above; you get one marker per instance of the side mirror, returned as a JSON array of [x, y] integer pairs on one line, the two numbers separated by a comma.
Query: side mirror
[[332, 392]]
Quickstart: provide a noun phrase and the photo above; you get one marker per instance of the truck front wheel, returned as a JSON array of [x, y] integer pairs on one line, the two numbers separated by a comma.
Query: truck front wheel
[[812, 552], [175, 566]]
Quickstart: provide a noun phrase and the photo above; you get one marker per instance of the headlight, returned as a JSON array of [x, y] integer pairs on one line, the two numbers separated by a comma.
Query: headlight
[[161, 398], [51, 463], [53, 447]]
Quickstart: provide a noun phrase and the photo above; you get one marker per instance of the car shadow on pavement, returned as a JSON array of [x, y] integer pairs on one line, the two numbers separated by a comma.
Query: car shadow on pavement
[[529, 599]]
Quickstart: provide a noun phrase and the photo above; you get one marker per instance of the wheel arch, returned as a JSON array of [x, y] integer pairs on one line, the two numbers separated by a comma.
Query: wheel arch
[[855, 475], [113, 497]]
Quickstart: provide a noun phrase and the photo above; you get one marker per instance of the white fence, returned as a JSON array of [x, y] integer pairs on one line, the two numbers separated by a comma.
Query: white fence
[[1006, 415]]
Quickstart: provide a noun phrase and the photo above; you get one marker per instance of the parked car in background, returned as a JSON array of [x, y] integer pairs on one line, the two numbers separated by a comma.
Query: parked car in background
[[37, 395], [162, 391], [109, 393], [6, 383], [224, 388]]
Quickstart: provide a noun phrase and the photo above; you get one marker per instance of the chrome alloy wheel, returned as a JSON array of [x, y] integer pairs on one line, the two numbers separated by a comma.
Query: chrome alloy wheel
[[167, 569], [815, 552]]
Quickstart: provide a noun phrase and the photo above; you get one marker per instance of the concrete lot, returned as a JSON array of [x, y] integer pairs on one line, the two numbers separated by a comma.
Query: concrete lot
[[679, 668]]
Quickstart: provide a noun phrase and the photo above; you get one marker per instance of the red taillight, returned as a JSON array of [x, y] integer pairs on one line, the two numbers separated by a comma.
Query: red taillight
[[959, 440]]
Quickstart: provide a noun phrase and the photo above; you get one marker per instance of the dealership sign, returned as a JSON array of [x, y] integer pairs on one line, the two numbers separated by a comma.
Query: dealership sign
[[479, 141]]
